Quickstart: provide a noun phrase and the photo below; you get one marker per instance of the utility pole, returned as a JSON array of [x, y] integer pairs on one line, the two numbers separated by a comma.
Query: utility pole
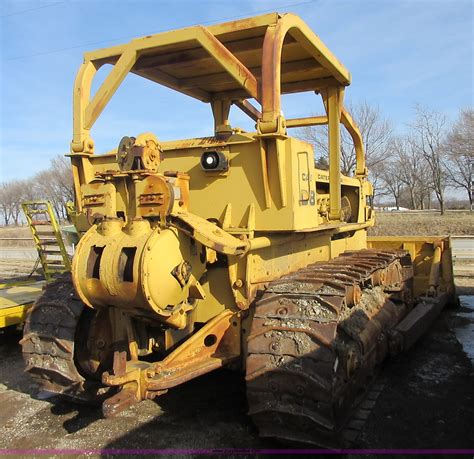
[[471, 170]]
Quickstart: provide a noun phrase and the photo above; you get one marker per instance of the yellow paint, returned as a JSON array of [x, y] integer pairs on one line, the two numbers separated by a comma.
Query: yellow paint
[[184, 250], [432, 260], [15, 299], [45, 242], [237, 228], [182, 245]]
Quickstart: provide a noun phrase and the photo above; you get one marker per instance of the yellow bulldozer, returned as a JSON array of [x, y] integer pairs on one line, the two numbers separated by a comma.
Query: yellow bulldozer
[[233, 249]]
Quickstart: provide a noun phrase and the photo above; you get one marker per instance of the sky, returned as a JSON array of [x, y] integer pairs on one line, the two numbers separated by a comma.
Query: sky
[[400, 53]]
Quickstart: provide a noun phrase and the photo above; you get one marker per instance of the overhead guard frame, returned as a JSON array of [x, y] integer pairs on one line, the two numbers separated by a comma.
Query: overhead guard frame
[[284, 56]]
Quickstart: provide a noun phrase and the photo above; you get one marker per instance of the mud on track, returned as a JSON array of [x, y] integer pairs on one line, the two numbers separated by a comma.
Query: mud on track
[[427, 402]]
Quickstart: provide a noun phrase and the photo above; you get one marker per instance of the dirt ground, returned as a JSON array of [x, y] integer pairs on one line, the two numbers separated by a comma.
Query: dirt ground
[[16, 269], [427, 401]]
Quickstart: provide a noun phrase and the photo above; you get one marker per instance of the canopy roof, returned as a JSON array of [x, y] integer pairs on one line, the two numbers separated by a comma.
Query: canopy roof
[[257, 58], [218, 62]]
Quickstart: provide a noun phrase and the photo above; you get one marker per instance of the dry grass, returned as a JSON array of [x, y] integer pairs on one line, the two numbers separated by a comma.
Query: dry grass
[[15, 232], [413, 223], [453, 223]]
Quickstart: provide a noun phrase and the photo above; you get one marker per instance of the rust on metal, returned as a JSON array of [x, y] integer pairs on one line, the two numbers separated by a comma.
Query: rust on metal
[[124, 399], [49, 341], [232, 249], [309, 349], [211, 347]]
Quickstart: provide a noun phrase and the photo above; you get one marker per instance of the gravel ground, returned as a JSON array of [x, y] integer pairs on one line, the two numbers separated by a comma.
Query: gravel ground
[[427, 402]]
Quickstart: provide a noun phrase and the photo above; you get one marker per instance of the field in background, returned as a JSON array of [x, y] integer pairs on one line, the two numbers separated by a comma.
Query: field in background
[[419, 223], [411, 223], [14, 231], [12, 236], [18, 254]]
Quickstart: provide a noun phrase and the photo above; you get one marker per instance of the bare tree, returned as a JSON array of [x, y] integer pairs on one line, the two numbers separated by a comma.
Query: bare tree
[[460, 148], [392, 179], [61, 167], [6, 202], [376, 174], [411, 170], [18, 188], [12, 194], [54, 184], [376, 133], [428, 141]]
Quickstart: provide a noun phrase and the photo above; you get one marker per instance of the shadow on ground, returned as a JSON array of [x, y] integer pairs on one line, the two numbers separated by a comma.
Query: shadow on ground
[[12, 365], [427, 402], [208, 412]]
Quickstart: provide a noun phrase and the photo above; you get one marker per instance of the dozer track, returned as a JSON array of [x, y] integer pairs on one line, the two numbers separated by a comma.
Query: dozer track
[[48, 343], [316, 336]]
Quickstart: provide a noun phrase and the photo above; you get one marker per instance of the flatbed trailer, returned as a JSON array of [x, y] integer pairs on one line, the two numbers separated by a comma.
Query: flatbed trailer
[[15, 300], [17, 296]]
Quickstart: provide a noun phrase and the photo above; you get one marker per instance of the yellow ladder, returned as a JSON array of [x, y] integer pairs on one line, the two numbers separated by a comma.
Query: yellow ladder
[[48, 239]]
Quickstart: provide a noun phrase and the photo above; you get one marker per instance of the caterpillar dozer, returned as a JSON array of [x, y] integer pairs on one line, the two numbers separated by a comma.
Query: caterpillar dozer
[[234, 249]]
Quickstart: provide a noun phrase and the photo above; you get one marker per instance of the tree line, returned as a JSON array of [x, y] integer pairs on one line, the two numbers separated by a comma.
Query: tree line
[[412, 170], [53, 184]]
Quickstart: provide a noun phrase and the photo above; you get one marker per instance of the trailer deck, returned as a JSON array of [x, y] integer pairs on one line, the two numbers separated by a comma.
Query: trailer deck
[[15, 300]]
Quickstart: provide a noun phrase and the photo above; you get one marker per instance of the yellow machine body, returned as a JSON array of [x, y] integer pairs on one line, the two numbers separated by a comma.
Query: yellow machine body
[[181, 238], [118, 259]]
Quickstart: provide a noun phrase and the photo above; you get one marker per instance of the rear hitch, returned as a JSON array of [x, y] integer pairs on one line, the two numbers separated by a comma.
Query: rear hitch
[[209, 348]]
